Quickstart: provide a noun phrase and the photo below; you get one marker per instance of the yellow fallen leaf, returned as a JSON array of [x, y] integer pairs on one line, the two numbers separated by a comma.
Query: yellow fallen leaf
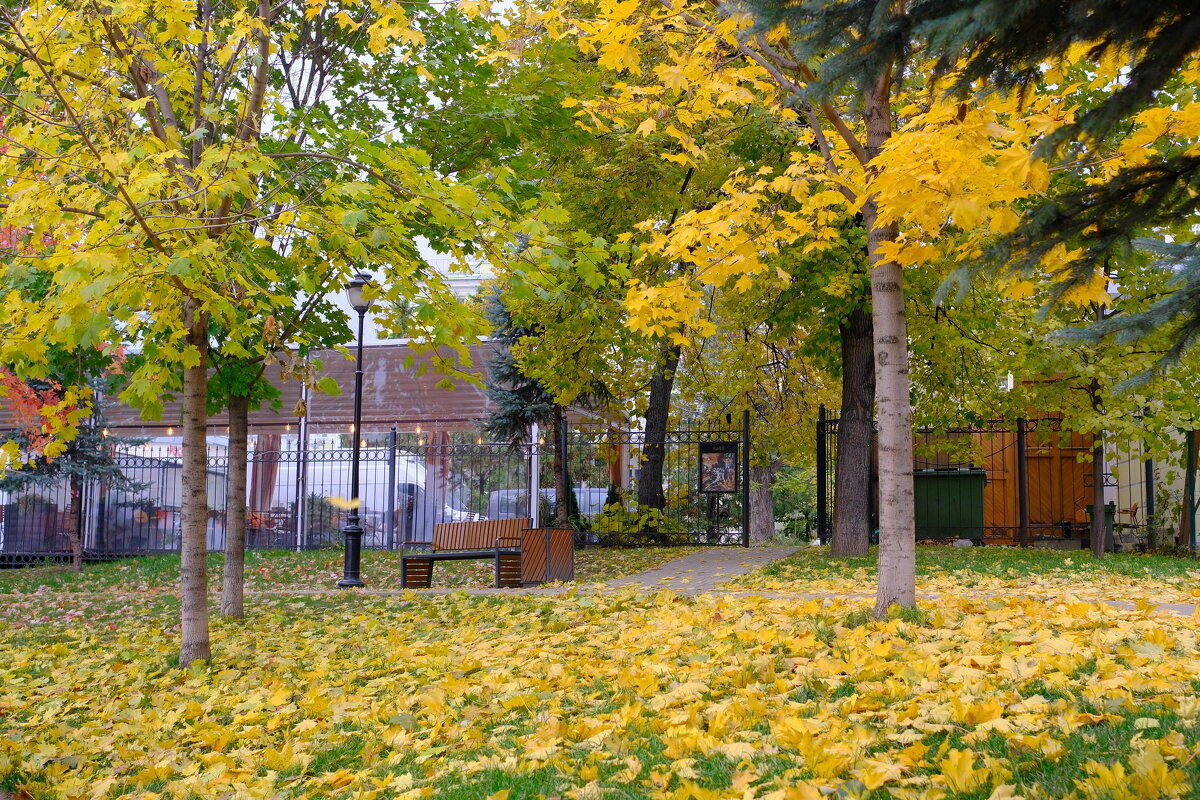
[[1005, 791]]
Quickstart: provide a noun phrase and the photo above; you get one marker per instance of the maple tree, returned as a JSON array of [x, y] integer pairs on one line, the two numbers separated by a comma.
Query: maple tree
[[768, 356], [607, 182], [55, 434], [42, 415], [724, 242], [1141, 56], [573, 276], [224, 171]]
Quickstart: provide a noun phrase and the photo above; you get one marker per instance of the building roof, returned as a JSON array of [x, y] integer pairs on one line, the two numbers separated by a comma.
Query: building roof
[[393, 395]]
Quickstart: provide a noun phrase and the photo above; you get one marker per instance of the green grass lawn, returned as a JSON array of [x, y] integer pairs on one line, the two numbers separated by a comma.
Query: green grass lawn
[[615, 696], [943, 568], [587, 696], [313, 569]]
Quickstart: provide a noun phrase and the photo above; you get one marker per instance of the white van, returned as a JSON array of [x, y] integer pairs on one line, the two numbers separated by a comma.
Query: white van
[[507, 503], [421, 497]]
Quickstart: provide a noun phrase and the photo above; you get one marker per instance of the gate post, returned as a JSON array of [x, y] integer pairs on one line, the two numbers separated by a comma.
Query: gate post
[[746, 477], [564, 434], [1149, 490], [1022, 484], [822, 475], [535, 472], [302, 473], [390, 525]]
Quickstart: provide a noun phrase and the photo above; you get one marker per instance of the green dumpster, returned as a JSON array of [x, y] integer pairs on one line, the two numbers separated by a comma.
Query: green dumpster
[[949, 503]]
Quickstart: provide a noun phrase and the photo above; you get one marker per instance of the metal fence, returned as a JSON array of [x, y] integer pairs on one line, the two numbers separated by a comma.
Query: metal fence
[[296, 499], [705, 480], [299, 498], [1007, 482]]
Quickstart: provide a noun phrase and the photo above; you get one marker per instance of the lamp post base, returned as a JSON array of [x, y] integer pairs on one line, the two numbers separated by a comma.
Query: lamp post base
[[350, 566]]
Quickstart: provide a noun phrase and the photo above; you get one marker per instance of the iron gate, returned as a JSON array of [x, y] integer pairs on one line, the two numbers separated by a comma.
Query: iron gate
[[705, 485]]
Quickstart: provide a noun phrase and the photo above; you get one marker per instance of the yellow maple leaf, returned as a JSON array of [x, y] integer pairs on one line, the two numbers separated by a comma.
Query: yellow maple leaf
[[958, 768]]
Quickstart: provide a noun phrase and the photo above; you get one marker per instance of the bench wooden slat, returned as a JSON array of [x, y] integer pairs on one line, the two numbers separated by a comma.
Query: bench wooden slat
[[480, 535], [499, 539]]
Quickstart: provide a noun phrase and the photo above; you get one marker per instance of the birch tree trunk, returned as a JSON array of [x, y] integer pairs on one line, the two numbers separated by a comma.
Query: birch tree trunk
[[234, 577], [852, 469], [897, 533], [762, 502], [193, 577]]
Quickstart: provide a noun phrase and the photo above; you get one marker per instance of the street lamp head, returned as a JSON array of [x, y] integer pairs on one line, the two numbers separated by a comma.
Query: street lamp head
[[354, 291]]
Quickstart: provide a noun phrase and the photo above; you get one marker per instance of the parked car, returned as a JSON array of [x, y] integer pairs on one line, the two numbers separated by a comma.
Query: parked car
[[508, 503]]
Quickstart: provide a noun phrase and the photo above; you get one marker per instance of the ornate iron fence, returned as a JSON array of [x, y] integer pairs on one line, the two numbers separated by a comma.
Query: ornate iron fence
[[705, 485], [298, 499]]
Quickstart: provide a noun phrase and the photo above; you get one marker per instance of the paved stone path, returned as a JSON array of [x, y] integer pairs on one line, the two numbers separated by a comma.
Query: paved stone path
[[700, 573], [696, 573], [705, 570]]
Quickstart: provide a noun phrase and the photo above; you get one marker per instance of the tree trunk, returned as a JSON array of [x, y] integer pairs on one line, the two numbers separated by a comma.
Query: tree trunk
[[650, 477], [193, 577], [762, 502], [897, 528], [233, 585], [75, 523], [1099, 529], [852, 487]]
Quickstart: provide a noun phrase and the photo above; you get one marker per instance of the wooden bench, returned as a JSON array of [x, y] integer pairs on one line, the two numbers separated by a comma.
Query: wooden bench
[[456, 541], [523, 555]]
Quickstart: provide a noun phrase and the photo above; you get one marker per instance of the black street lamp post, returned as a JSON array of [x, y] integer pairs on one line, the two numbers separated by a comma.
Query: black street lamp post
[[352, 531]]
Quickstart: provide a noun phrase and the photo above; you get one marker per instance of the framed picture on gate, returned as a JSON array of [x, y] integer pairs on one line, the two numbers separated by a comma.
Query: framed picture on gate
[[719, 467]]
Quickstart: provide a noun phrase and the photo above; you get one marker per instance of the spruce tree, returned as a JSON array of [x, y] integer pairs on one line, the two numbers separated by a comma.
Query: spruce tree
[[520, 401], [1006, 44]]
